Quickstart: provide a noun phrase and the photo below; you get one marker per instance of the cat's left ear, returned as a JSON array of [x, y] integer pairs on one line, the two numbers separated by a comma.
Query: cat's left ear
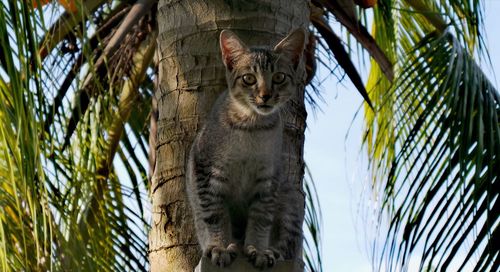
[[231, 47], [293, 45]]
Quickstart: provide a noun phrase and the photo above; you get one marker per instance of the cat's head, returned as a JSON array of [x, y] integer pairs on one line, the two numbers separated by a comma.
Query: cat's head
[[262, 79]]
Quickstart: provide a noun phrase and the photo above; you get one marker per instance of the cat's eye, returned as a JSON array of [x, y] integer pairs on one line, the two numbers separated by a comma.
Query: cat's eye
[[279, 78], [249, 79]]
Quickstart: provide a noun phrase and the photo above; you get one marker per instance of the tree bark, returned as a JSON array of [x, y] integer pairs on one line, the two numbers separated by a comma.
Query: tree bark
[[191, 76]]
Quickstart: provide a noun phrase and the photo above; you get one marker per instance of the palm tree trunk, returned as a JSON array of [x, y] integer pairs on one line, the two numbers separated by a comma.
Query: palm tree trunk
[[191, 76]]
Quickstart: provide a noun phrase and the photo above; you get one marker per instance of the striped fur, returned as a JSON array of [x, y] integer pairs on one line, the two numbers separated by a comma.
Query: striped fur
[[234, 179]]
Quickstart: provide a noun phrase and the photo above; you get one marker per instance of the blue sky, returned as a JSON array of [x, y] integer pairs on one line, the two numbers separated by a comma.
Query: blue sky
[[333, 159]]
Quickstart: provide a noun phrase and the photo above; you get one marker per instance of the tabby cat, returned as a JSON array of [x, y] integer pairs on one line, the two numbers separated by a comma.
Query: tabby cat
[[235, 183]]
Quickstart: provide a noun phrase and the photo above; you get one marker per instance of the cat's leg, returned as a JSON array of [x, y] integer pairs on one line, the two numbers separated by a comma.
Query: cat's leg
[[214, 224], [212, 220], [260, 219], [287, 234]]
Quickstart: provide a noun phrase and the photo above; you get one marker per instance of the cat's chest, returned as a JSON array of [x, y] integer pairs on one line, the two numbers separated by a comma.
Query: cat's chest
[[248, 156], [252, 145], [255, 145]]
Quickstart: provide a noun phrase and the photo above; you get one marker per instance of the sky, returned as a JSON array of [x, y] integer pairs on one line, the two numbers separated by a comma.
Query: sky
[[333, 161]]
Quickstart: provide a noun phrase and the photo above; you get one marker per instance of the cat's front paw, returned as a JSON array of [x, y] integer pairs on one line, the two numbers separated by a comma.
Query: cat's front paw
[[261, 259], [220, 256]]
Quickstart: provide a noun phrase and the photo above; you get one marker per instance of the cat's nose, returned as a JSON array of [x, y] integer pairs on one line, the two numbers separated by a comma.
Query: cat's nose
[[265, 97]]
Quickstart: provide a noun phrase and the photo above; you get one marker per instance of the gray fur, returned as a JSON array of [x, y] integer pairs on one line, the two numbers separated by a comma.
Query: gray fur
[[234, 171]]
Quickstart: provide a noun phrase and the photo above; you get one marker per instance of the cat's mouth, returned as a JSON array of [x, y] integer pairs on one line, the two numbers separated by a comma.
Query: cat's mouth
[[264, 109], [264, 106]]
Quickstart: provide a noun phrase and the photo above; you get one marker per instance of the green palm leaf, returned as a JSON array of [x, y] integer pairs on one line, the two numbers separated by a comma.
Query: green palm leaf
[[68, 211], [313, 224], [441, 188], [26, 219], [434, 141]]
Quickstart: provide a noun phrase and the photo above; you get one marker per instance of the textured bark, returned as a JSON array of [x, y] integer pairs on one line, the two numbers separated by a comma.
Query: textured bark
[[191, 76]]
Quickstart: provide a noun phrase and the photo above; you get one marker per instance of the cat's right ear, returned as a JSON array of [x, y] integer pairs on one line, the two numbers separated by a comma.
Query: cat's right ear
[[293, 45], [231, 47]]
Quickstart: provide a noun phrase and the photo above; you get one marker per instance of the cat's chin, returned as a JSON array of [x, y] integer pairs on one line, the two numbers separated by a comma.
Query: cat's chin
[[264, 109]]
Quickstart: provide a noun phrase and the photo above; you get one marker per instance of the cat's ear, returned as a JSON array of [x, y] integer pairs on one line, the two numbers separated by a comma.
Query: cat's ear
[[293, 45], [231, 47]]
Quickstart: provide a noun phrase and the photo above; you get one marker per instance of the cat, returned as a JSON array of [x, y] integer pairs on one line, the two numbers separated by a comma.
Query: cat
[[234, 169]]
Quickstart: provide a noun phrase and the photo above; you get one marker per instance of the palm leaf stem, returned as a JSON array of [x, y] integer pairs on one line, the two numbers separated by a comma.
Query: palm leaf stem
[[362, 35]]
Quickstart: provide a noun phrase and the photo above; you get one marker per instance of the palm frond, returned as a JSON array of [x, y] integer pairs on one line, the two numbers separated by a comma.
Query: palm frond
[[341, 56], [93, 140], [26, 235], [345, 13], [313, 226], [441, 191], [66, 24], [398, 28], [358, 30], [378, 136], [70, 211], [433, 143], [462, 18]]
